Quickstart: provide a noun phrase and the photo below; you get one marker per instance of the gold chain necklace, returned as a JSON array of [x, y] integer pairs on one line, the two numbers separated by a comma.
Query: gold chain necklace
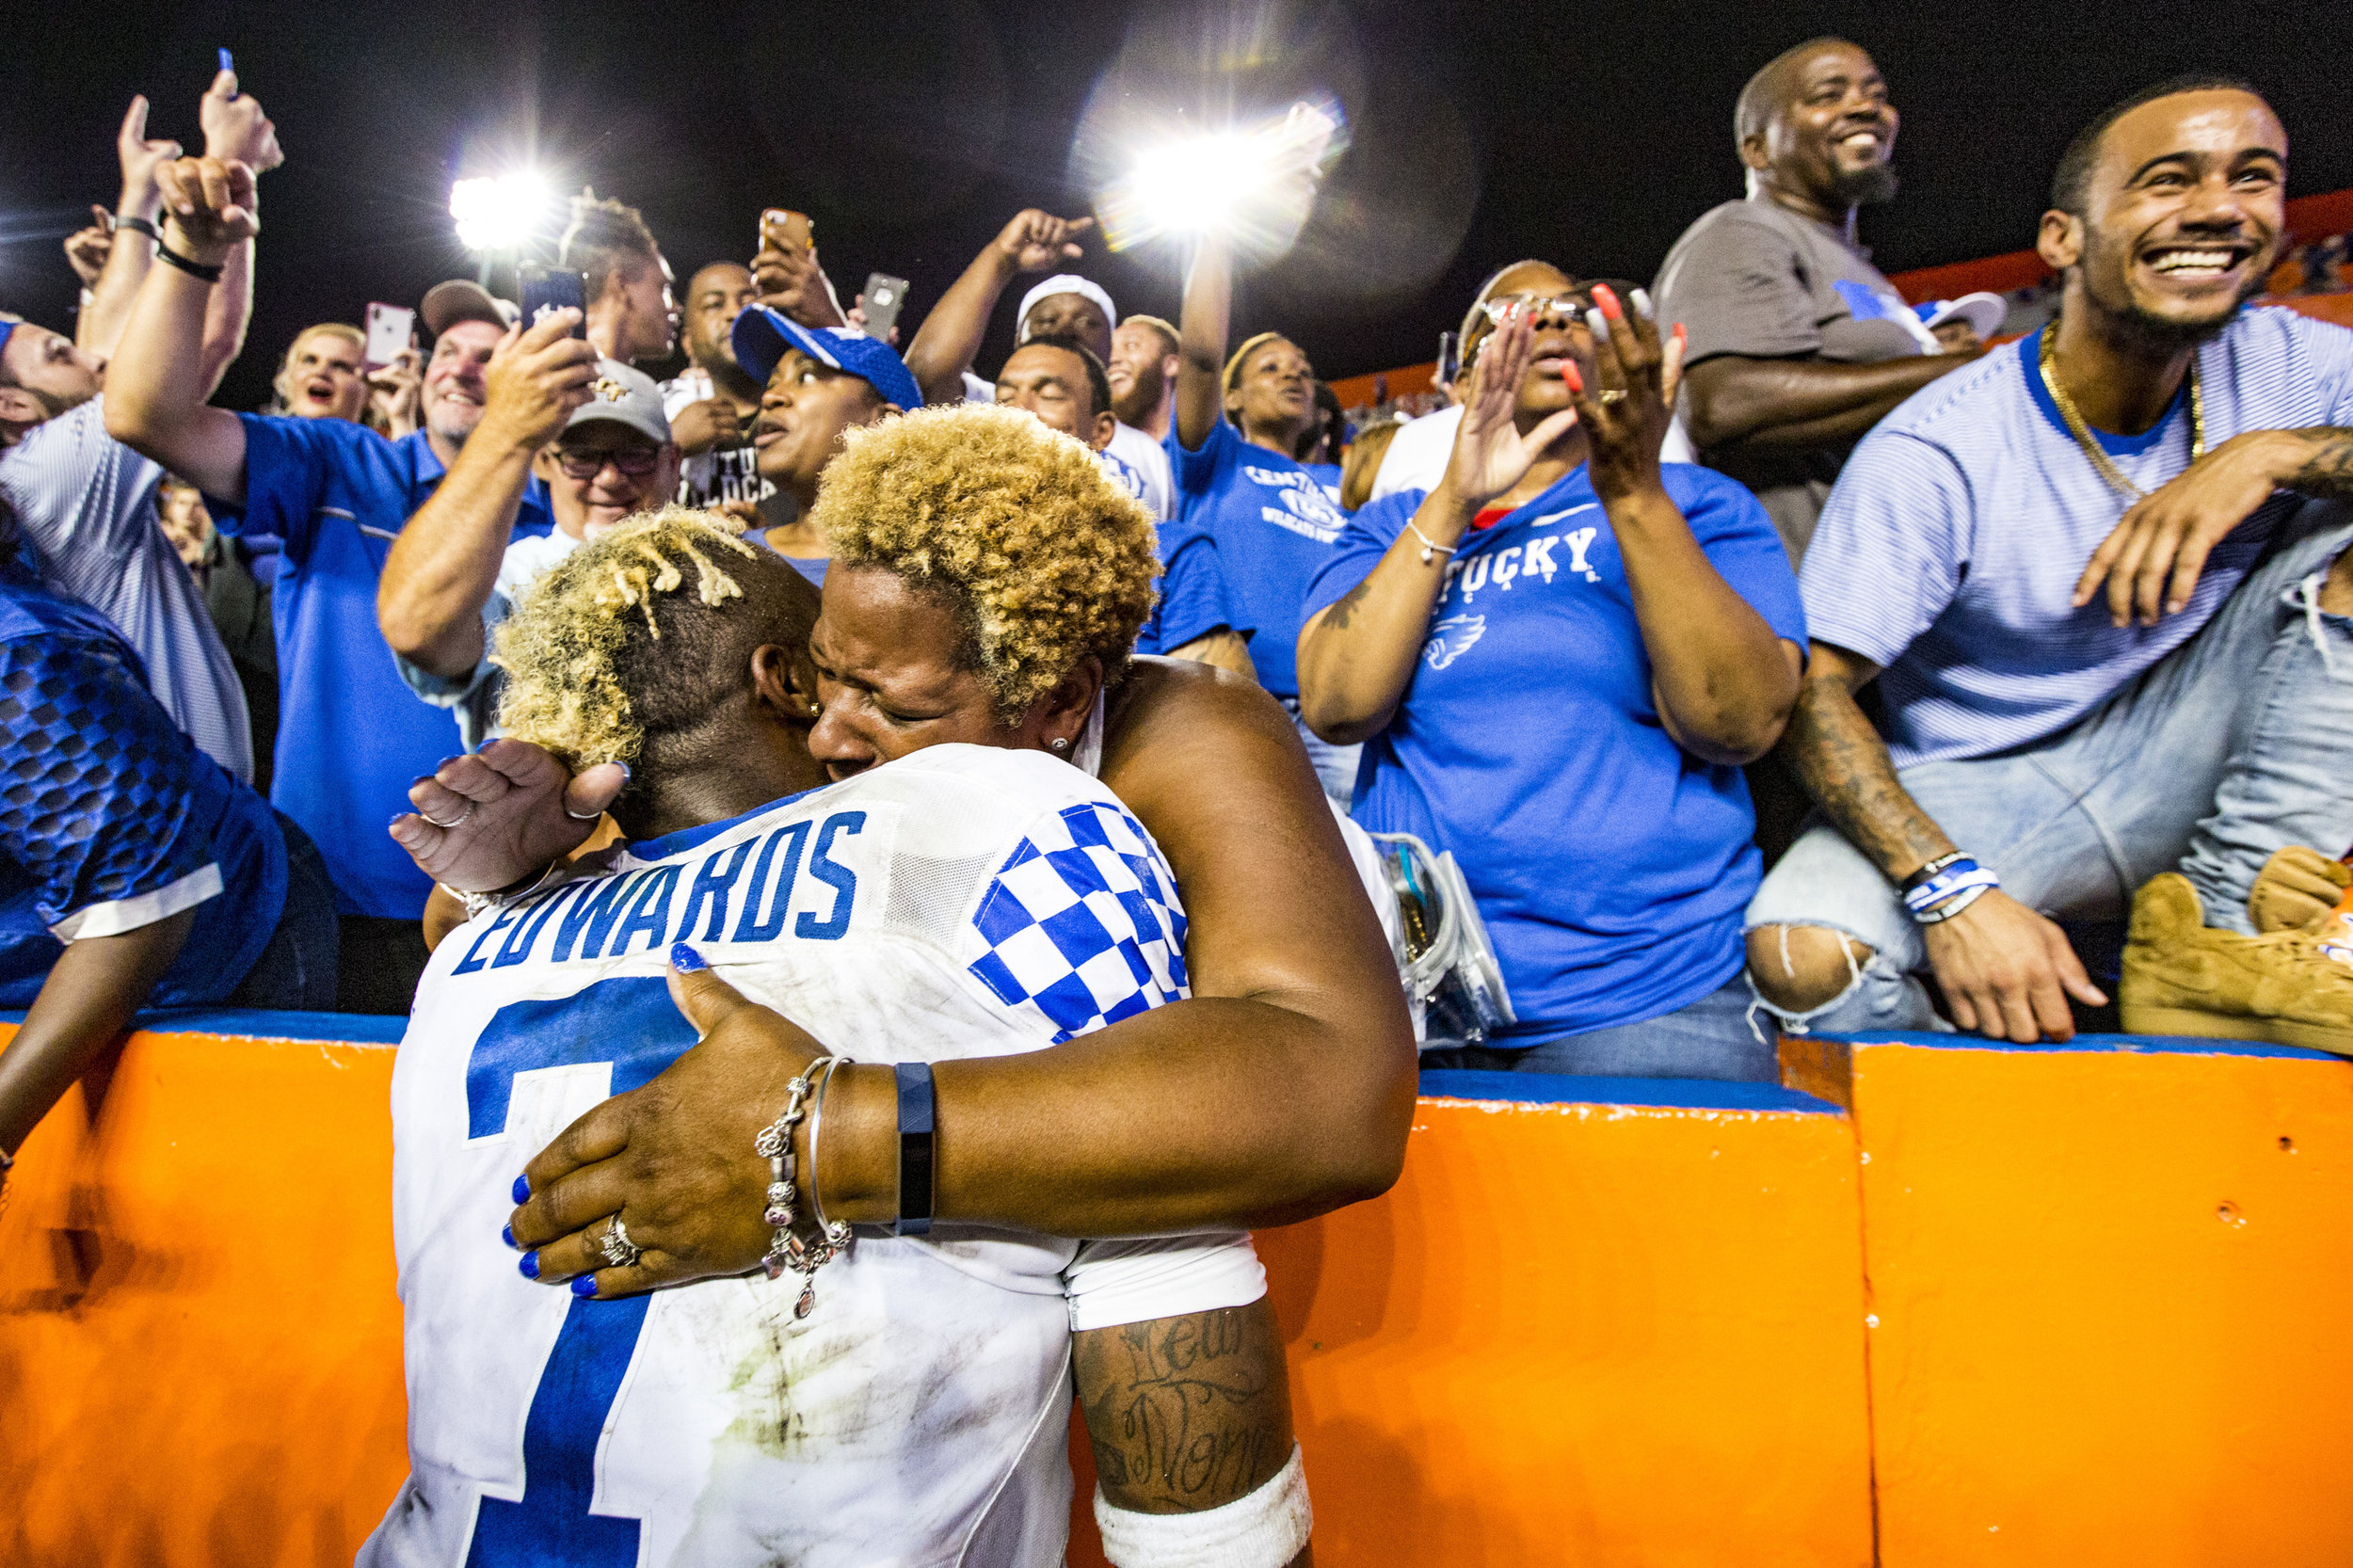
[[2082, 432]]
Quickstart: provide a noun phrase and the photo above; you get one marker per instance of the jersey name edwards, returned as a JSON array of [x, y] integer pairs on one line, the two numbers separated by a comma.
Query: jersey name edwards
[[804, 880]]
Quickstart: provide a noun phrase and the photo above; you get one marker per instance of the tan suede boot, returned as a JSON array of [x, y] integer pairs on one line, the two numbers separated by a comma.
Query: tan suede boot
[[2296, 888], [2183, 977]]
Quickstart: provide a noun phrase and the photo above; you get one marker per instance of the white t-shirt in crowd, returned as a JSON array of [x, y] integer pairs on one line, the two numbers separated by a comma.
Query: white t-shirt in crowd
[[86, 504], [962, 901]]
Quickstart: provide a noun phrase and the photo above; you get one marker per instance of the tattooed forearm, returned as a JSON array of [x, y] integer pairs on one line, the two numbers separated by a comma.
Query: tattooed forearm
[[1343, 612], [1188, 1413], [1847, 769], [2327, 467]]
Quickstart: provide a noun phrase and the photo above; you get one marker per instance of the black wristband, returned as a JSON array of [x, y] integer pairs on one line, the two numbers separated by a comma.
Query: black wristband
[[189, 265], [915, 1148], [139, 225], [1930, 869]]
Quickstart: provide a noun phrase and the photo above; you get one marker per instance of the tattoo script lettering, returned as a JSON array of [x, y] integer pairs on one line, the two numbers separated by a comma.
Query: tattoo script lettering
[[1185, 1413]]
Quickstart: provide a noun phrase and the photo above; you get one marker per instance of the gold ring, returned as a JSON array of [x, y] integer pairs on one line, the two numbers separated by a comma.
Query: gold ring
[[1615, 394]]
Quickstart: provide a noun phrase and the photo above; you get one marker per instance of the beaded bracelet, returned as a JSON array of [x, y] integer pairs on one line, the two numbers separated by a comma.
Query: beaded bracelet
[[786, 1250]]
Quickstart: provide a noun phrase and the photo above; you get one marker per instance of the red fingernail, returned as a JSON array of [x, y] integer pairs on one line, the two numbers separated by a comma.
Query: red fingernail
[[1570, 373], [1607, 299], [1679, 333]]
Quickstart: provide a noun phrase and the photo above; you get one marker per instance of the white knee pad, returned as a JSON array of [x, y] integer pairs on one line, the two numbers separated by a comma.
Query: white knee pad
[[1265, 1529]]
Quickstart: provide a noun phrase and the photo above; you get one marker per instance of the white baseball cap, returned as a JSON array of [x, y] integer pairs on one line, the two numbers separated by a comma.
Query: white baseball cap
[[1983, 312]]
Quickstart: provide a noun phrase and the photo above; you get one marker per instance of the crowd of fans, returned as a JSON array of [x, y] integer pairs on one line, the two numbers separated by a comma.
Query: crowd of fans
[[2045, 636], [1738, 653]]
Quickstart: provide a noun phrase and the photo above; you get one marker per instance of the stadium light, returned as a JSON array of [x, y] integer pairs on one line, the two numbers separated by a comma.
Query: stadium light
[[499, 212], [1254, 186]]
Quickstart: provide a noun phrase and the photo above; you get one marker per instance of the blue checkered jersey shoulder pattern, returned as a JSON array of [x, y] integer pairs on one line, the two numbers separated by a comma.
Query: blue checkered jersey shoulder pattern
[[1049, 915], [110, 816], [97, 794]]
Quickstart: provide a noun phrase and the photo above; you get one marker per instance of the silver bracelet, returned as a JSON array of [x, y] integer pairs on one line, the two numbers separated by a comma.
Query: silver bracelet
[[816, 1125], [786, 1250], [476, 902]]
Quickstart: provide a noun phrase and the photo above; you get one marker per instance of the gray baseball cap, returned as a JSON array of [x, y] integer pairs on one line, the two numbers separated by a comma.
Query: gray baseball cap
[[445, 305], [625, 396]]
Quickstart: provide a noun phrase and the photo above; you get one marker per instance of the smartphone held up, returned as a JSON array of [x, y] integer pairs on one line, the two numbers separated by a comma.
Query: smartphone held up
[[552, 288]]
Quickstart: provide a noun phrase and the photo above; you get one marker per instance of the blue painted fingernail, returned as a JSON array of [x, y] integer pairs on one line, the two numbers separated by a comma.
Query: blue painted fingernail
[[529, 1264], [584, 1285], [397, 817], [686, 960], [506, 1234], [627, 773], [522, 1189]]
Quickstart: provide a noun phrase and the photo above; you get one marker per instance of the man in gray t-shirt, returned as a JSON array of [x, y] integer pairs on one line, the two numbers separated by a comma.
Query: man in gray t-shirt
[[1798, 345]]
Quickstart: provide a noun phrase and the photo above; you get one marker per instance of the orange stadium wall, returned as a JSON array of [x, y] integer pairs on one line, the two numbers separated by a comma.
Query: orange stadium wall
[[1957, 1304]]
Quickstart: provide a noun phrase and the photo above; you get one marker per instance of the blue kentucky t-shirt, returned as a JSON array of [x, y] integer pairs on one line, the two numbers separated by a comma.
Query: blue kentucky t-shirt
[[1275, 528], [114, 818], [351, 735], [1193, 599], [1614, 867]]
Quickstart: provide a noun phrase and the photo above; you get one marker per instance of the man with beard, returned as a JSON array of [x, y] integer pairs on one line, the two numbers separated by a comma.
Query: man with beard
[[2100, 577], [351, 735], [711, 407], [1798, 345], [1142, 368]]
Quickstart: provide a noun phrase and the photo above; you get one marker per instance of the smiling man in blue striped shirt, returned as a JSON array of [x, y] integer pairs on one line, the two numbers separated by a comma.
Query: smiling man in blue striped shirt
[[2094, 577]]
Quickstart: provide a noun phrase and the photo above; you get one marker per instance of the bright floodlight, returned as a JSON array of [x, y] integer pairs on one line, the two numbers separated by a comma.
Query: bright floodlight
[[498, 213], [1254, 186]]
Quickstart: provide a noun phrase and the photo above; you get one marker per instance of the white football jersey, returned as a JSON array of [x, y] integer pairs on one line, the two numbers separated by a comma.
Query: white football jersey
[[961, 901]]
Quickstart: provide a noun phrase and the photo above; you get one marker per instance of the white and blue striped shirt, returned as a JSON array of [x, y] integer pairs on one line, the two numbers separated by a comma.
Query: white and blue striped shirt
[[1958, 529], [87, 506]]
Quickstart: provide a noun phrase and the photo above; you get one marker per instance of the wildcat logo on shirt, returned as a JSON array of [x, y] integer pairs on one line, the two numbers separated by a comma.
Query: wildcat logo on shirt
[[1536, 558], [1122, 475], [1306, 510], [1451, 639]]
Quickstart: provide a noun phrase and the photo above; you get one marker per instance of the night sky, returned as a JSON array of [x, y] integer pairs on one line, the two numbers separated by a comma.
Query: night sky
[[1588, 134]]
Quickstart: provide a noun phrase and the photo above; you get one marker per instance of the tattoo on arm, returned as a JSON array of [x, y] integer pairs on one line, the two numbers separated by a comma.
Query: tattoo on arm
[[1847, 769], [1186, 1414], [2327, 469], [1343, 609]]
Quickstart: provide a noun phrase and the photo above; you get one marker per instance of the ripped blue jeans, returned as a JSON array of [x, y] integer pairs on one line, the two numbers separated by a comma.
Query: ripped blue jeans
[[2235, 744]]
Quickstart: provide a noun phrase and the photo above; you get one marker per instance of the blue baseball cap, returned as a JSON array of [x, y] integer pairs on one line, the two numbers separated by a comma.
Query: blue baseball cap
[[762, 336]]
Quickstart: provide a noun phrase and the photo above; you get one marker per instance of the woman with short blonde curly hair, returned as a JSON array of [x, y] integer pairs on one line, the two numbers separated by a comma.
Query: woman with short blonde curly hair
[[1043, 560]]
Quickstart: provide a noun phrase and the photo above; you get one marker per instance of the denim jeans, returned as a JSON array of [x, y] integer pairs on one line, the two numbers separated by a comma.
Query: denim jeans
[[296, 971], [1711, 1037], [2235, 744]]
